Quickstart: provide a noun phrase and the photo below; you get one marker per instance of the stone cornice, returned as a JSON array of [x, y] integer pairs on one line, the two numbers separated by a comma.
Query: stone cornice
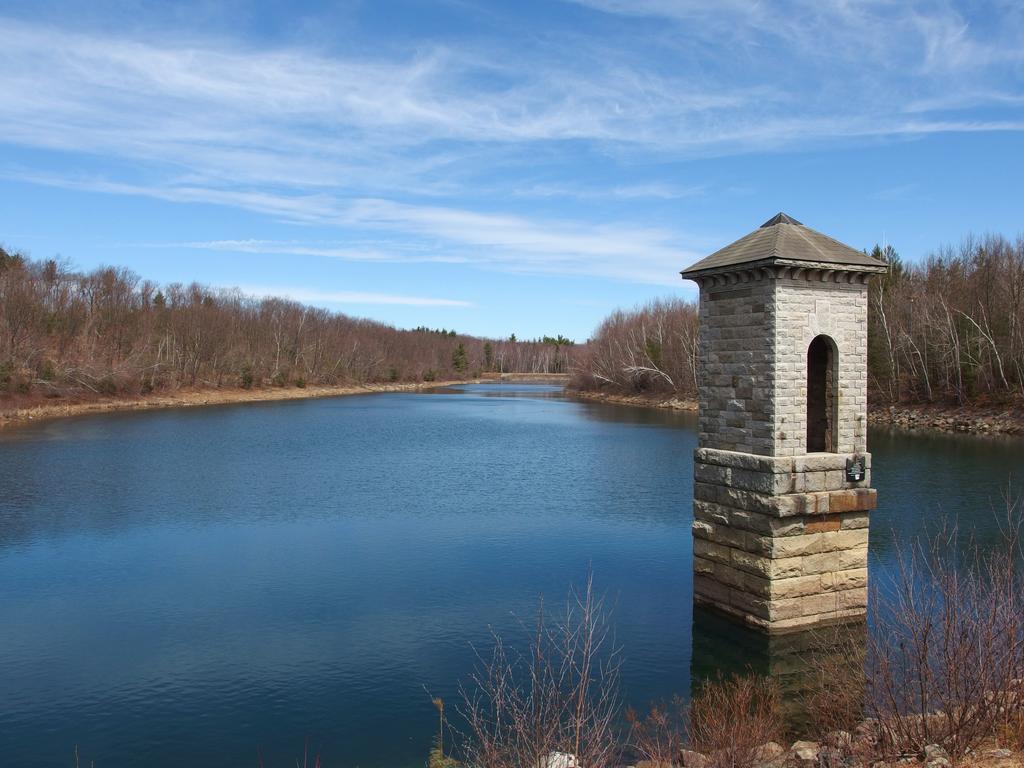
[[780, 269]]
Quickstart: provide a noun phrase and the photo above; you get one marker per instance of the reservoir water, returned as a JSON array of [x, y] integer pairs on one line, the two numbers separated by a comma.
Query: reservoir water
[[199, 587]]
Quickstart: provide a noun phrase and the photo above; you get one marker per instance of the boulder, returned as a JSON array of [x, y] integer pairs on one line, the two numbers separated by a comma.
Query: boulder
[[804, 754], [830, 757], [693, 759], [936, 757], [559, 760], [769, 754]]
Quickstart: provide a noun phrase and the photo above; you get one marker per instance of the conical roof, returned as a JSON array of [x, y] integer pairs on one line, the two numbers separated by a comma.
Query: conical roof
[[784, 239]]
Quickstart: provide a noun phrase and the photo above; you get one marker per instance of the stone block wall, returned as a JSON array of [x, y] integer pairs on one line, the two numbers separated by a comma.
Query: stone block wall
[[737, 355], [780, 542], [805, 309], [754, 336]]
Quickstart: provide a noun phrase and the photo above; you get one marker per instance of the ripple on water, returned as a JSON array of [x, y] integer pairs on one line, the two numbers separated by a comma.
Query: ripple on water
[[184, 587]]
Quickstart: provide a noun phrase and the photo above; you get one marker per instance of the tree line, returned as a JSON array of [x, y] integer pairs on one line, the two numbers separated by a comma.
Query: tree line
[[950, 327], [652, 348], [110, 332], [947, 329]]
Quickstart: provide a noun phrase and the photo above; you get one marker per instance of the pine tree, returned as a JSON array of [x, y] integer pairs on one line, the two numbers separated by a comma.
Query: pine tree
[[460, 361]]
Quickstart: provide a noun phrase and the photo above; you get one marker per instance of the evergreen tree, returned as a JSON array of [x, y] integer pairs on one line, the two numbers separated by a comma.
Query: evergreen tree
[[460, 360]]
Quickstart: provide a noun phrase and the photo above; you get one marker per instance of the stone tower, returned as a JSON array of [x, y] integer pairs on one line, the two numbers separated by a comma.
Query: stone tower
[[782, 473]]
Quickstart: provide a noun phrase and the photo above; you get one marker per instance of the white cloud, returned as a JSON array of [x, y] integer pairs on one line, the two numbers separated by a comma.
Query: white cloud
[[343, 143], [499, 242], [404, 233], [315, 296], [347, 251], [223, 115], [927, 35], [651, 190]]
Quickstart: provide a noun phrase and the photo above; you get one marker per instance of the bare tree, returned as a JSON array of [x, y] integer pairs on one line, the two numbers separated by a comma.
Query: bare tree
[[109, 332], [650, 349]]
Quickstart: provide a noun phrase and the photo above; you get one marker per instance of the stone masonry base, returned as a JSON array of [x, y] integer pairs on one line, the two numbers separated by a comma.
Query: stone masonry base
[[780, 542]]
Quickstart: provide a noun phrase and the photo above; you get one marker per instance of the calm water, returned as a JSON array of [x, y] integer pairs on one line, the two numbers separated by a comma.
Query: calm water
[[183, 588]]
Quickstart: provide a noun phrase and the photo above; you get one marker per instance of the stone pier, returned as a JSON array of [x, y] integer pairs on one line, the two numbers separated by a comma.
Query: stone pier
[[780, 542]]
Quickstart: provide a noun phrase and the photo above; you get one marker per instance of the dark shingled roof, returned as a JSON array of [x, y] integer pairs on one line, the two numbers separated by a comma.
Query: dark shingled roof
[[783, 238]]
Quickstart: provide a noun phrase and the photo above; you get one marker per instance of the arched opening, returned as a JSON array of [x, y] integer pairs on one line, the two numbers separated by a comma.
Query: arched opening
[[821, 395]]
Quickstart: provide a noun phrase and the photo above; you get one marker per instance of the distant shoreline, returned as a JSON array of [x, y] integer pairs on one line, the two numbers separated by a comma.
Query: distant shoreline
[[968, 419], [192, 397], [666, 402], [979, 419], [189, 397]]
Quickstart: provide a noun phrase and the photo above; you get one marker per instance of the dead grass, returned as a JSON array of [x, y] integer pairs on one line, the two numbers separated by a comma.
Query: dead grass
[[187, 398], [658, 736], [730, 719]]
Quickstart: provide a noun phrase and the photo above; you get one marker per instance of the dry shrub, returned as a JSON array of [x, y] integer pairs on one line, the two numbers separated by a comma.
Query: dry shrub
[[947, 650], [658, 735], [730, 718], [833, 699], [1011, 731], [561, 695]]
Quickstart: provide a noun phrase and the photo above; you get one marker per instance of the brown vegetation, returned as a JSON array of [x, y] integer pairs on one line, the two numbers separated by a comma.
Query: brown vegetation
[[951, 327], [729, 722], [730, 719], [650, 350], [108, 333], [948, 330], [944, 661], [658, 737], [559, 698]]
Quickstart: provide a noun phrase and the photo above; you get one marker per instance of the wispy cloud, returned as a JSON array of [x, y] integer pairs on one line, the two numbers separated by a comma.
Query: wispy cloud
[[925, 35], [496, 242], [395, 251], [650, 190], [355, 143], [210, 113], [384, 231], [899, 192], [314, 296]]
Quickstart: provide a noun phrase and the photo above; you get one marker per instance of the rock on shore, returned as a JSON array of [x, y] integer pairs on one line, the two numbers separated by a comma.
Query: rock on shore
[[990, 420]]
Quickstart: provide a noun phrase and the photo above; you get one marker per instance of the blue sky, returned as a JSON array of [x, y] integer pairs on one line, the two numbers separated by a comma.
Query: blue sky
[[497, 167]]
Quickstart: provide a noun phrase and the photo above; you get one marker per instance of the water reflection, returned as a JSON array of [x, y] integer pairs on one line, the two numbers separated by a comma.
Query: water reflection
[[793, 660], [930, 480]]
